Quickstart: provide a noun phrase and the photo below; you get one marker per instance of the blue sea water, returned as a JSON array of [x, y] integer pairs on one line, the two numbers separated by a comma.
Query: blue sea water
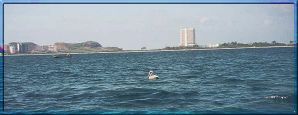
[[260, 80], [1, 83]]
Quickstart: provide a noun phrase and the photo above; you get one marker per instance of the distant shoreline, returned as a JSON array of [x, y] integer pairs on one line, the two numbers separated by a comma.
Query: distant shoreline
[[153, 50]]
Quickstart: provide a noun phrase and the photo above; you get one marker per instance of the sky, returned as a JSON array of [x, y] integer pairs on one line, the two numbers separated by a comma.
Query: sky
[[132, 26]]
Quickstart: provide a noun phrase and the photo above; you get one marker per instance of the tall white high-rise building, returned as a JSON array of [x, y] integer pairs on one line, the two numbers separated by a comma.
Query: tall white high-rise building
[[187, 37]]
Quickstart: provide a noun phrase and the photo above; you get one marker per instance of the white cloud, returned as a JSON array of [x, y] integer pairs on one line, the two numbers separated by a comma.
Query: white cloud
[[203, 20]]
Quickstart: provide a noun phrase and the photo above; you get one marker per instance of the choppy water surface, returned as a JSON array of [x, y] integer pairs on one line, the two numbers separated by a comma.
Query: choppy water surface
[[209, 81], [1, 83]]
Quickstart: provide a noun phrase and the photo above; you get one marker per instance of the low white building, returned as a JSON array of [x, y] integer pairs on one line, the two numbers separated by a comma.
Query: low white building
[[213, 45]]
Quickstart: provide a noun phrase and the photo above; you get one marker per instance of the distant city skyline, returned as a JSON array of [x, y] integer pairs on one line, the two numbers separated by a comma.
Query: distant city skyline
[[132, 26]]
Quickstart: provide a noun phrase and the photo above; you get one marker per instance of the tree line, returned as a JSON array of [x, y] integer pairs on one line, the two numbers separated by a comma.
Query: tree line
[[254, 44]]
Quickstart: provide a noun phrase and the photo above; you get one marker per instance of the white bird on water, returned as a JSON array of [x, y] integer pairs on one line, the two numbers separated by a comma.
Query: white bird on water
[[152, 76]]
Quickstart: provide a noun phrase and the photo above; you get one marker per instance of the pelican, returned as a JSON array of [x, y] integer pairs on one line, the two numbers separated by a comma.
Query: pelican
[[151, 76]]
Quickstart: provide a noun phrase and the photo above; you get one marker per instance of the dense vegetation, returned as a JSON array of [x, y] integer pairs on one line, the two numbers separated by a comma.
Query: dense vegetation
[[255, 44], [234, 45], [87, 44]]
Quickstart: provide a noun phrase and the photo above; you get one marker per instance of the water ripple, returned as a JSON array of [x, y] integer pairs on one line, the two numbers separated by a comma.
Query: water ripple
[[215, 81]]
